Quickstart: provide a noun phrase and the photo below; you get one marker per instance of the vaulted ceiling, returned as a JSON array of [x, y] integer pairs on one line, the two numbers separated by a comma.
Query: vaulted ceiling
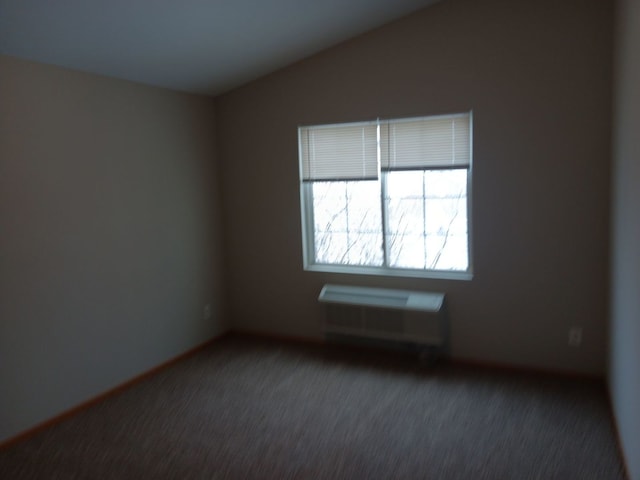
[[200, 46]]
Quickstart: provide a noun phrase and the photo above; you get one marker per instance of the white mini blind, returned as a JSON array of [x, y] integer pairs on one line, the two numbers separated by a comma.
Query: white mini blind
[[339, 152], [427, 142]]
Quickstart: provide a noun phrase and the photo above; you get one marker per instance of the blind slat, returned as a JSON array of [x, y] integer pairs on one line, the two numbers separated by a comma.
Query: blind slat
[[334, 152], [426, 142], [359, 150]]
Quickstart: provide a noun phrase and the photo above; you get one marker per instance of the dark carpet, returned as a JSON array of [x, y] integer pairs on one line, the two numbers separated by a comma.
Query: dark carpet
[[246, 408]]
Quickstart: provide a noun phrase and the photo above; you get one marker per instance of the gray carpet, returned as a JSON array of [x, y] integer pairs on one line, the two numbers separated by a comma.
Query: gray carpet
[[247, 408]]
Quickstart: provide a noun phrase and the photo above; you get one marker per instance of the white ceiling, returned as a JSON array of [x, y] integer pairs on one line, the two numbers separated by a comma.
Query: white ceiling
[[201, 46]]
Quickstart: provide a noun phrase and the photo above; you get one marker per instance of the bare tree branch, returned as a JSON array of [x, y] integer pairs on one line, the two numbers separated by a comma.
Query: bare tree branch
[[447, 232]]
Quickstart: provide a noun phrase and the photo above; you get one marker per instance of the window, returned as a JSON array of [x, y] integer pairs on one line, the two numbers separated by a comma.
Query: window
[[387, 197]]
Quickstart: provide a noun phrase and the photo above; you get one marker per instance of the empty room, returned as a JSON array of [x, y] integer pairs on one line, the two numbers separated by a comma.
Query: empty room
[[320, 240]]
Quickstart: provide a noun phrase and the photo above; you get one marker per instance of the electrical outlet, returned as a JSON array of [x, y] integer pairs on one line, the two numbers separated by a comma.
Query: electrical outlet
[[206, 311], [575, 336]]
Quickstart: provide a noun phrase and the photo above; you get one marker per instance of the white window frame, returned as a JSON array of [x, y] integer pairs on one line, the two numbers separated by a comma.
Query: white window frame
[[308, 233]]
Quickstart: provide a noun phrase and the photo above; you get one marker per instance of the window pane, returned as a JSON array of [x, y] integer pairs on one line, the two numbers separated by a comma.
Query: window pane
[[364, 193], [406, 251], [330, 189], [365, 249], [446, 215], [447, 253], [331, 247], [430, 232], [405, 215], [446, 219], [445, 183], [329, 206], [364, 212], [405, 184], [348, 223]]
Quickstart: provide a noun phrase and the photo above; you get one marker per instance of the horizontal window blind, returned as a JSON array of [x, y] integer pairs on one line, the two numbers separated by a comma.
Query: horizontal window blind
[[350, 151], [339, 152], [428, 142]]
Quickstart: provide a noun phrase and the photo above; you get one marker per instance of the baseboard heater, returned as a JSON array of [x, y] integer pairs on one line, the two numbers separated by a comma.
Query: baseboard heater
[[382, 314]]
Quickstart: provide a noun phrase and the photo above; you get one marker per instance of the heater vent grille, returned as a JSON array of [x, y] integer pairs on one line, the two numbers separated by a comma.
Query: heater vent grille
[[398, 315]]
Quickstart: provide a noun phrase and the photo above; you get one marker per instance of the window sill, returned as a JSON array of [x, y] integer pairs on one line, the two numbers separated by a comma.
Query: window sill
[[390, 272]]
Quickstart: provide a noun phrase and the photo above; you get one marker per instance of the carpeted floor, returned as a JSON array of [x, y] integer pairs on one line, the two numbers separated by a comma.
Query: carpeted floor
[[256, 409]]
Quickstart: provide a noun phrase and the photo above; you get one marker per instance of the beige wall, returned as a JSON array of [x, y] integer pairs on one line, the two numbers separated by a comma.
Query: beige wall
[[109, 202], [624, 376], [108, 235], [537, 76]]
